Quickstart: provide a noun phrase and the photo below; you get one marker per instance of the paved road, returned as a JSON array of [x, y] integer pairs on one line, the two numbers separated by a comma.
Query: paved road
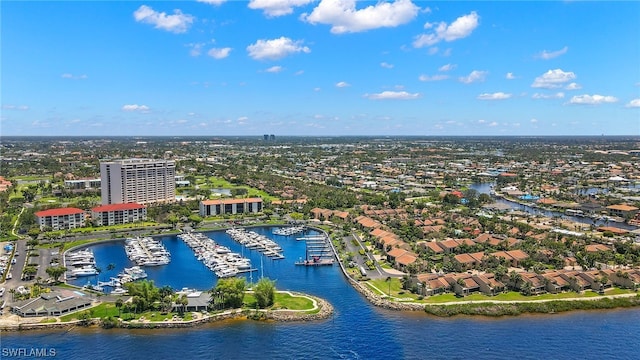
[[16, 269], [361, 260]]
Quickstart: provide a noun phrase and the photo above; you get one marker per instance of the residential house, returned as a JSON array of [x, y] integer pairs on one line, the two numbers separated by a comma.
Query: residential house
[[462, 284], [622, 210], [488, 284], [468, 261]]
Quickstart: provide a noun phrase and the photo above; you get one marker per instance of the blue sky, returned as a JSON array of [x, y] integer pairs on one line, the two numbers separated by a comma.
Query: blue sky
[[324, 67]]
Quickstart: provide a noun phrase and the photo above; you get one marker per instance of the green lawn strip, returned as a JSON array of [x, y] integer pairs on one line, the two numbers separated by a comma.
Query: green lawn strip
[[218, 183], [130, 226], [516, 296], [282, 301], [396, 289], [511, 309], [286, 301], [110, 310], [102, 310], [32, 178]]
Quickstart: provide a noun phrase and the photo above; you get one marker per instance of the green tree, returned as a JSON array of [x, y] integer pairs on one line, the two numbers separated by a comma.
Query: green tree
[[230, 292], [29, 271], [56, 271], [195, 219], [182, 301], [265, 292], [119, 304]]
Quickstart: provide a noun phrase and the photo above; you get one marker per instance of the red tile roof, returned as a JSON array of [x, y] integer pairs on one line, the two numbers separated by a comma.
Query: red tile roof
[[117, 207], [59, 212]]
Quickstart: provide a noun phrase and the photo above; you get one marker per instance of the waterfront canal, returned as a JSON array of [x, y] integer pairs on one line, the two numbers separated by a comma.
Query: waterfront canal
[[357, 330]]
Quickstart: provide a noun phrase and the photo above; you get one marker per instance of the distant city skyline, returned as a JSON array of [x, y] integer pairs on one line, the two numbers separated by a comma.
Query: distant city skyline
[[320, 68]]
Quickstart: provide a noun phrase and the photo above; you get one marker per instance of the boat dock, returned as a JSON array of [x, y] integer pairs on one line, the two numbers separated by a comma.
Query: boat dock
[[217, 258], [146, 251], [252, 240], [318, 251]]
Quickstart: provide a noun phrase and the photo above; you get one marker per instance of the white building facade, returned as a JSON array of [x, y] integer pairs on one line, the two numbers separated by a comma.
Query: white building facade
[[61, 218], [142, 181], [230, 206], [115, 214]]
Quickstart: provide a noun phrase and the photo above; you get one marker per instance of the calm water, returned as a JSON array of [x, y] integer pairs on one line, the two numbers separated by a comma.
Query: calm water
[[356, 331], [486, 188]]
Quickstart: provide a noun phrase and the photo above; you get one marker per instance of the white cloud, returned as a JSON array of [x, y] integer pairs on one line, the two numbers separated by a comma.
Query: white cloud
[[195, 49], [438, 77], [386, 65], [275, 49], [510, 76], [494, 96], [212, 2], [533, 121], [15, 107], [592, 99], [74, 77], [176, 23], [275, 69], [474, 76], [342, 84], [343, 16], [493, 123], [553, 79], [393, 95], [219, 53], [573, 86], [299, 72], [273, 8], [635, 103], [558, 95], [447, 67], [135, 107], [546, 55], [433, 50], [460, 28]]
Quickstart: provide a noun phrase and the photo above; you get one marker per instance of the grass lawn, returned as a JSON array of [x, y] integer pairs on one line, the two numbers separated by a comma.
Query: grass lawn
[[282, 301], [218, 183], [286, 301], [109, 309], [516, 296], [102, 310], [396, 288], [130, 226]]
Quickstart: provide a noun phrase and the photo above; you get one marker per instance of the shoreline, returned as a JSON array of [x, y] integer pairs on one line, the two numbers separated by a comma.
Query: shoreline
[[488, 307], [497, 308], [325, 311]]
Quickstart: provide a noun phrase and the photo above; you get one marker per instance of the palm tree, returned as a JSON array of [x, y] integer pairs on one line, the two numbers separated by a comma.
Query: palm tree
[[119, 304], [388, 280], [183, 301], [514, 279]]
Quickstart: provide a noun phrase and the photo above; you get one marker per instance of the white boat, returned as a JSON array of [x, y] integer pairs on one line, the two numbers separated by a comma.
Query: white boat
[[118, 291], [227, 272], [136, 273], [85, 271], [222, 249]]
